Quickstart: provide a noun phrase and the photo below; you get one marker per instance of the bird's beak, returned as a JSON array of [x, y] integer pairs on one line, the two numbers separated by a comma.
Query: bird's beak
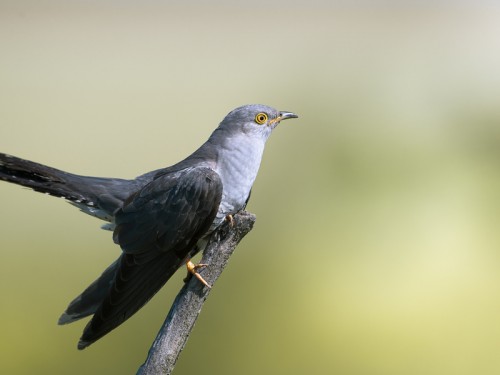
[[282, 116], [286, 115]]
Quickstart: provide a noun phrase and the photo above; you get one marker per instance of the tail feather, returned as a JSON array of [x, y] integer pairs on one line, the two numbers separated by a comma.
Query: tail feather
[[40, 178], [95, 196], [125, 286]]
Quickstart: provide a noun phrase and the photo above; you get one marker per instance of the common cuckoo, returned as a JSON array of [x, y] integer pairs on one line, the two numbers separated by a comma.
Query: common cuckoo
[[160, 219]]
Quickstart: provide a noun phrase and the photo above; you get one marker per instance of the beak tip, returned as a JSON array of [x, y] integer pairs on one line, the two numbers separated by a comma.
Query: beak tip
[[286, 115]]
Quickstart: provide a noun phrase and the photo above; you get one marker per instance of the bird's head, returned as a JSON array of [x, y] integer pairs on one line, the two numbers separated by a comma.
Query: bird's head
[[254, 120]]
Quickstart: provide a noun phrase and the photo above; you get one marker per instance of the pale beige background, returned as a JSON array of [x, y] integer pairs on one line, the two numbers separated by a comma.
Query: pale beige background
[[376, 249]]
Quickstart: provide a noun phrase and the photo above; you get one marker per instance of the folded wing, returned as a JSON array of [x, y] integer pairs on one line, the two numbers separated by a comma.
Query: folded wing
[[157, 228]]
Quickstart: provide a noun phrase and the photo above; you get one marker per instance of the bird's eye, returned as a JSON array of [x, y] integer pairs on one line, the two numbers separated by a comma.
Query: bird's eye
[[261, 118]]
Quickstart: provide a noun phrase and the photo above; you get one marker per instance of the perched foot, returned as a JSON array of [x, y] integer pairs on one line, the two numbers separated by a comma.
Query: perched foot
[[193, 269], [230, 220]]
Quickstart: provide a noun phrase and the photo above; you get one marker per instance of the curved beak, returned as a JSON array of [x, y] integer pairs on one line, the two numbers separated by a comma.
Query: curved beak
[[286, 115], [282, 116]]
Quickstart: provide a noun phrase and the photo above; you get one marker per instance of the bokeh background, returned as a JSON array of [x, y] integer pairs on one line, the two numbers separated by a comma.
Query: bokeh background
[[376, 247]]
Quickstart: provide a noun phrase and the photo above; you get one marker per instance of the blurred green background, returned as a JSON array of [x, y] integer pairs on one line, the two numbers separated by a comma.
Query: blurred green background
[[376, 247]]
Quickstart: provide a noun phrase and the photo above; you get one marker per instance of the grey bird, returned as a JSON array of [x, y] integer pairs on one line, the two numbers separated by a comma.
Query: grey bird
[[160, 219]]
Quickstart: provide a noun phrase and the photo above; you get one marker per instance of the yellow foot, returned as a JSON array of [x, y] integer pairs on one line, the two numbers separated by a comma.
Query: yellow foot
[[193, 269], [230, 220]]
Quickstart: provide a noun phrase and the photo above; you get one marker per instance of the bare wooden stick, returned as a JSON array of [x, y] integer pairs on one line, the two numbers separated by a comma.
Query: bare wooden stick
[[180, 320]]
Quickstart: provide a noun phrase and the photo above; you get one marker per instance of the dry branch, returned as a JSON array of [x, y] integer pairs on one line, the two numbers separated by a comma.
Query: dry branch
[[180, 320]]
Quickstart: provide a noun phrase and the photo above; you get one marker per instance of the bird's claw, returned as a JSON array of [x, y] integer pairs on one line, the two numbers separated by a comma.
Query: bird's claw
[[230, 220], [193, 270]]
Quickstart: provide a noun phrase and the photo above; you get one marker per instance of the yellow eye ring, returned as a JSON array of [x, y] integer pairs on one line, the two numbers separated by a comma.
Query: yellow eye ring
[[261, 118]]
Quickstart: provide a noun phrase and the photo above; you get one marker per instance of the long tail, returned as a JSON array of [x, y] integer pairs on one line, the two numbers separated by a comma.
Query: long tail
[[94, 195], [42, 178], [125, 286]]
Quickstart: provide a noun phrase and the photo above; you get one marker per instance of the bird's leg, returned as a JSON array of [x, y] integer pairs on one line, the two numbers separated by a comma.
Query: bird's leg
[[193, 270], [230, 220]]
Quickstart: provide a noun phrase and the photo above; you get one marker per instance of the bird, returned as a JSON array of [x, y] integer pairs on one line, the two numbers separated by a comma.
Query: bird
[[160, 219]]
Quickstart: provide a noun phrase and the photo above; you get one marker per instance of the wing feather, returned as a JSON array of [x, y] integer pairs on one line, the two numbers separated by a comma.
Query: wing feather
[[157, 229]]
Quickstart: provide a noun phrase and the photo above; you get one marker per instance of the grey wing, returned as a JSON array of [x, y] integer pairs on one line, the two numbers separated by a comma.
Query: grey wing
[[157, 229]]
